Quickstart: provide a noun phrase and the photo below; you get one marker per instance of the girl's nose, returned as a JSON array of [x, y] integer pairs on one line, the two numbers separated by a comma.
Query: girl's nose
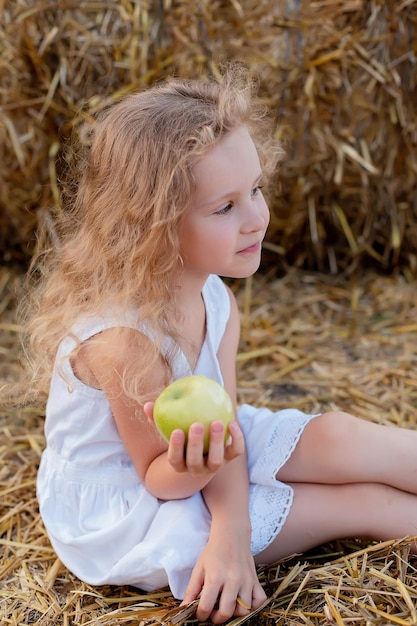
[[256, 217]]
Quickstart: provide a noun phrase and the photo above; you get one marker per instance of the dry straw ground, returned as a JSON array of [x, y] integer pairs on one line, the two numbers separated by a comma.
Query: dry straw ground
[[308, 341]]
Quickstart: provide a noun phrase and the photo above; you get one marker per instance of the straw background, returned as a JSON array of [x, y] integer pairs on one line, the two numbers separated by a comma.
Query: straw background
[[329, 322], [338, 77]]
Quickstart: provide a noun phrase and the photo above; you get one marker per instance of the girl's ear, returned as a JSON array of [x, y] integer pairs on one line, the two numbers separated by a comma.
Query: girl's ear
[[148, 409]]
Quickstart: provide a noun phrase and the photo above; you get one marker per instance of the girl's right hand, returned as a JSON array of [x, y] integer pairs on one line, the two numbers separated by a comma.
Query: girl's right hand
[[190, 458]]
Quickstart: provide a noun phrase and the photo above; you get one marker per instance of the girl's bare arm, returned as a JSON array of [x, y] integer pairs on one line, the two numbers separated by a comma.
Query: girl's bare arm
[[100, 364]]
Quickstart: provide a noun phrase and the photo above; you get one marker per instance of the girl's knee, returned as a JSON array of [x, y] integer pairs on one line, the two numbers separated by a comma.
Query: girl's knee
[[334, 428]]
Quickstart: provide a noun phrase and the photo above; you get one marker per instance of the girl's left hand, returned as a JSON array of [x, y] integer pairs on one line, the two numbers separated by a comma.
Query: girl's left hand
[[224, 578]]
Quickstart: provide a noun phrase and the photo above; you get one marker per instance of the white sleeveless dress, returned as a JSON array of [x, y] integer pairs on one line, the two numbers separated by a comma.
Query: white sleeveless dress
[[102, 522]]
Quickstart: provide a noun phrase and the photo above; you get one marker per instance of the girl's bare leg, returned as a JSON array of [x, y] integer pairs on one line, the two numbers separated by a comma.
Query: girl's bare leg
[[337, 448], [351, 478], [321, 513]]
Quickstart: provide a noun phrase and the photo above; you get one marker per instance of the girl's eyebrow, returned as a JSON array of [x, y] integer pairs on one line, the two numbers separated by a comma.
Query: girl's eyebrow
[[223, 197]]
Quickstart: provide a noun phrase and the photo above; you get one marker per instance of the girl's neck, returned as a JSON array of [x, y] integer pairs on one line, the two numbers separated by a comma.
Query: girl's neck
[[189, 316], [187, 289]]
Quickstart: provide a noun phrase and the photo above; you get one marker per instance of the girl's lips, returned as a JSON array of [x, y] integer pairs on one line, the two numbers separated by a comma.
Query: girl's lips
[[255, 248]]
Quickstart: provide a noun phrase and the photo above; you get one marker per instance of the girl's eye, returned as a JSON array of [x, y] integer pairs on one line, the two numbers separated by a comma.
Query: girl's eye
[[226, 209], [256, 190]]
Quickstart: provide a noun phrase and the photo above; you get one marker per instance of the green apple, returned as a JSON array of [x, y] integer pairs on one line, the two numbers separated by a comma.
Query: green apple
[[192, 399]]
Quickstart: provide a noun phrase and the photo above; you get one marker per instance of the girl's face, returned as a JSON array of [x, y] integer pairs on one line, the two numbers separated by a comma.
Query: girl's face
[[222, 232]]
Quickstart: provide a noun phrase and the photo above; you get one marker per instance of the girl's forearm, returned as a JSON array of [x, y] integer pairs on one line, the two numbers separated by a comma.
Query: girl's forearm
[[173, 476], [227, 493], [162, 481]]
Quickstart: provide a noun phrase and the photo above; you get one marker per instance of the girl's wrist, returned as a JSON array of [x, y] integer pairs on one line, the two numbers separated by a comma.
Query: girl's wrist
[[231, 521]]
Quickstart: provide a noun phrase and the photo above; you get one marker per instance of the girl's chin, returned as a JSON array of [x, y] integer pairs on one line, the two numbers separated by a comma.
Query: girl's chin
[[244, 273]]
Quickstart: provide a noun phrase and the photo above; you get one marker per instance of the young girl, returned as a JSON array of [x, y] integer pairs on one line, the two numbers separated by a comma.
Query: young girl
[[169, 199]]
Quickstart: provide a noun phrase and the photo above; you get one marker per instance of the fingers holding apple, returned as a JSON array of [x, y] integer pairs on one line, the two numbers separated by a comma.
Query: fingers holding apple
[[195, 415], [197, 460], [148, 409]]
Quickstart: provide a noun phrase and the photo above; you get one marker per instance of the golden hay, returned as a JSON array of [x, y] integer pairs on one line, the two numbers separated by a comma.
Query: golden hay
[[339, 78], [308, 341]]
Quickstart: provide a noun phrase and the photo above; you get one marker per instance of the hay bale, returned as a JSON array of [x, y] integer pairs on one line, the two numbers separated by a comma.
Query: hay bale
[[347, 97], [339, 77]]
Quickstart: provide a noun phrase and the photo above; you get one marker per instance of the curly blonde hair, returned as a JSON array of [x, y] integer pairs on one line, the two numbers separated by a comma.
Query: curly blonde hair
[[118, 242]]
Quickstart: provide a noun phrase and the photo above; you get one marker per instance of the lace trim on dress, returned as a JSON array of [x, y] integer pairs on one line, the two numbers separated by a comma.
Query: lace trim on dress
[[271, 500]]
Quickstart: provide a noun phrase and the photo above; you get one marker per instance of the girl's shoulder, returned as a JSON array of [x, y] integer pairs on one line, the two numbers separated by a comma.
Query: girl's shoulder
[[86, 327], [114, 333]]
